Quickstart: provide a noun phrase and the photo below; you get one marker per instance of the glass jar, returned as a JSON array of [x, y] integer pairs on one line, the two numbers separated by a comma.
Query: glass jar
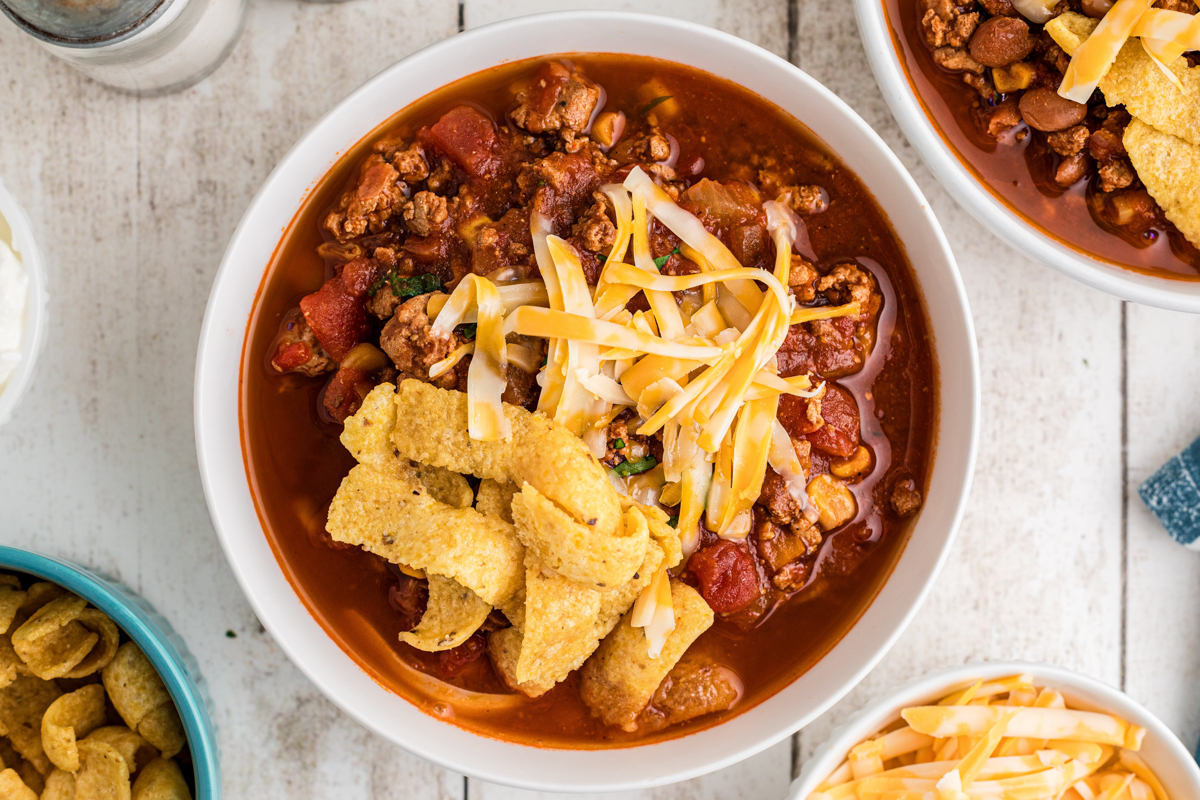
[[141, 46]]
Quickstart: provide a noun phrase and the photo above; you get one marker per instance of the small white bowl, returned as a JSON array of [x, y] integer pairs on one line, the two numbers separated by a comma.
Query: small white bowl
[[24, 245], [1162, 751], [993, 214], [223, 470]]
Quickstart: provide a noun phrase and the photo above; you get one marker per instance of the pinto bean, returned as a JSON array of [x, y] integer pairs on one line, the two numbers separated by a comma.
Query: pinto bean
[[1045, 110], [1096, 8], [999, 8], [1001, 41], [1072, 169]]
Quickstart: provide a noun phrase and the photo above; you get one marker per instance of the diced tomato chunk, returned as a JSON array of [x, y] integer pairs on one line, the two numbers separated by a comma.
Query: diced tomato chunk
[[291, 355], [338, 319], [726, 574], [358, 276], [468, 138], [454, 661], [428, 249], [543, 94], [345, 392], [840, 434], [793, 415], [409, 597]]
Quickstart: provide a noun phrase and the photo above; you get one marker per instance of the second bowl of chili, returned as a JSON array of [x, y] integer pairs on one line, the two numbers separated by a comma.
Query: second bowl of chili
[[1060, 190]]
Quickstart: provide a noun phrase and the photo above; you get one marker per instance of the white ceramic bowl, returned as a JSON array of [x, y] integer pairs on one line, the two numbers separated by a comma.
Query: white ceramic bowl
[[224, 332], [1163, 753], [1176, 295], [23, 244]]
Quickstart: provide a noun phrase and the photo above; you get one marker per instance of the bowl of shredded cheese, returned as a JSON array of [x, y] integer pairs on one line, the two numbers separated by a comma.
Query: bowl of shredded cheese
[[1001, 730], [22, 304]]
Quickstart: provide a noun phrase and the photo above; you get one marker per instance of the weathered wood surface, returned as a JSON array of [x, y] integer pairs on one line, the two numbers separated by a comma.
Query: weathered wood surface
[[134, 201]]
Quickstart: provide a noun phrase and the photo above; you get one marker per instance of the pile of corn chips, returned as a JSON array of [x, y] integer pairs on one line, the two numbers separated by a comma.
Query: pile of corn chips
[[575, 567], [63, 674], [1000, 740]]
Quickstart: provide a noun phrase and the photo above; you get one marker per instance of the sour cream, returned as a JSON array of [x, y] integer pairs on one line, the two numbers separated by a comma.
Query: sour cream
[[14, 298]]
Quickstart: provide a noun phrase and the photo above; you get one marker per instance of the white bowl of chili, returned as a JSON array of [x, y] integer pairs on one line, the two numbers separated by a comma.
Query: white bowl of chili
[[1160, 749], [1030, 221], [321, 652]]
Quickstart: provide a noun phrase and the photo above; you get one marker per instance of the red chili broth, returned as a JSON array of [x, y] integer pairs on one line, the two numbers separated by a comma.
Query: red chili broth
[[294, 461]]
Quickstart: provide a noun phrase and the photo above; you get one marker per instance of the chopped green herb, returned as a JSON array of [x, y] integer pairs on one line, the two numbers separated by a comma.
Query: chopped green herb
[[541, 183], [602, 257], [468, 331], [230, 635], [656, 101], [418, 284], [627, 468], [404, 288], [619, 444], [674, 521], [661, 260]]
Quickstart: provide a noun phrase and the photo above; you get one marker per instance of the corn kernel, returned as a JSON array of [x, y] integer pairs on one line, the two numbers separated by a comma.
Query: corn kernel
[[1015, 78], [858, 463], [834, 503]]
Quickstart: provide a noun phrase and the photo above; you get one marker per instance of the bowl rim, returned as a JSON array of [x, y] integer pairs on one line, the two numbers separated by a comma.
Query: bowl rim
[[33, 339], [936, 683], [126, 610], [989, 211], [217, 392]]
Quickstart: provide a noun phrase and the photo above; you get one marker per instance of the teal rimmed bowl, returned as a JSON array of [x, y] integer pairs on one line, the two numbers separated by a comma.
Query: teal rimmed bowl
[[153, 634]]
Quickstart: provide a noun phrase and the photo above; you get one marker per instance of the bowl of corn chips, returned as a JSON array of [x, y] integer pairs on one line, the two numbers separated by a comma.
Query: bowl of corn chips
[[1001, 730], [98, 697]]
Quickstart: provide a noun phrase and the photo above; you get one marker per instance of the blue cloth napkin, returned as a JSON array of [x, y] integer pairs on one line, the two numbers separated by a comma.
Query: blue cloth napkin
[[1173, 494]]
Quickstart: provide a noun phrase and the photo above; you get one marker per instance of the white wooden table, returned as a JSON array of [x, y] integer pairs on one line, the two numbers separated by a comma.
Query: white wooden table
[[135, 199]]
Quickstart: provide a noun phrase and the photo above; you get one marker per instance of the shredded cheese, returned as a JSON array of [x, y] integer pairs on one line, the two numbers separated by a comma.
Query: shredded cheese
[[653, 611], [517, 293], [1180, 29], [547, 323], [965, 757], [702, 370], [1038, 11], [486, 374], [695, 480], [1095, 56], [448, 363], [661, 301], [577, 407]]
